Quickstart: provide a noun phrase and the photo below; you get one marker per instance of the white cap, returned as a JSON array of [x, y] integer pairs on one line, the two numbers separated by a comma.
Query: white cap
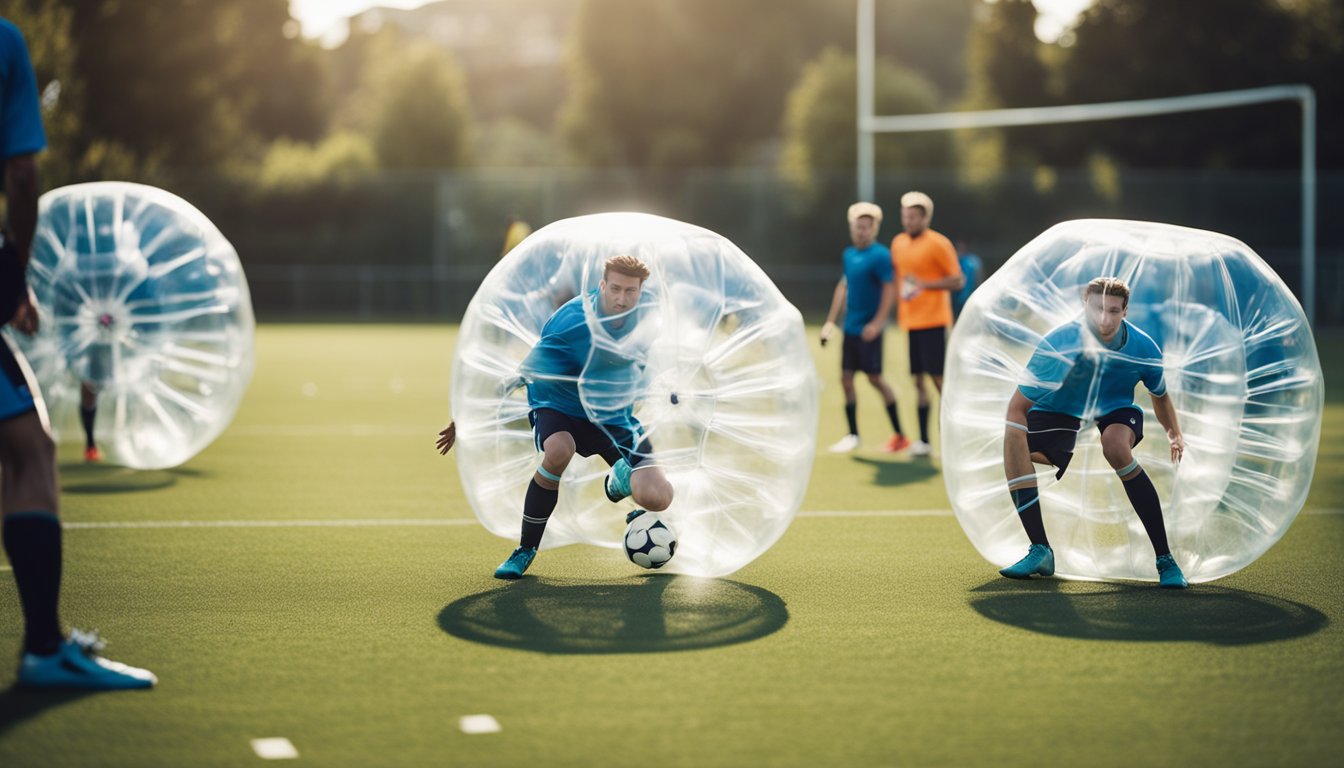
[[912, 199], [865, 209]]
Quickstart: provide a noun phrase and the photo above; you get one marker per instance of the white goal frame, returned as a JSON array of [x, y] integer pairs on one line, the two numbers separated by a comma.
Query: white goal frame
[[869, 125]]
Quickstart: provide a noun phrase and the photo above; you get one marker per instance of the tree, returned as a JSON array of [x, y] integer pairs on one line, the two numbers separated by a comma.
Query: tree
[[416, 107]]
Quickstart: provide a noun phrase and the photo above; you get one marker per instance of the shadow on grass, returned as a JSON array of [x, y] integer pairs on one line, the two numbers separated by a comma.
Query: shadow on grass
[[895, 472], [101, 478], [20, 704], [646, 615], [1102, 611]]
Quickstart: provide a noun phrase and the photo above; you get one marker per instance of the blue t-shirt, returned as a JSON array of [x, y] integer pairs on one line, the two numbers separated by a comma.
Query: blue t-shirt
[[21, 130], [1073, 372], [970, 269], [610, 368], [866, 272]]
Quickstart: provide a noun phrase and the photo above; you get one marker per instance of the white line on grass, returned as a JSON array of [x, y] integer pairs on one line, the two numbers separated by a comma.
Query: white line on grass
[[276, 748], [474, 724]]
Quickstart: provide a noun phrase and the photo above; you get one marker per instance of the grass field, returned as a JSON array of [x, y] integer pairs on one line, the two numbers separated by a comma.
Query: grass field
[[316, 575]]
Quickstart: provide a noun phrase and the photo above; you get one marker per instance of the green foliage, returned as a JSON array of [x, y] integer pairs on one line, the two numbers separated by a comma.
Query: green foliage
[[820, 128], [342, 158]]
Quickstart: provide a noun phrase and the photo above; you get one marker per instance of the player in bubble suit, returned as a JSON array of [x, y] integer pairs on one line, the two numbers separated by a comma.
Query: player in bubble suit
[[1088, 370], [562, 426]]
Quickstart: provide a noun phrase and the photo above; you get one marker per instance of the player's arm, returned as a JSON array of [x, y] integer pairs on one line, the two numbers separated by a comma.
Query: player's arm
[[879, 321], [837, 306], [953, 280], [21, 188], [1165, 410], [446, 438]]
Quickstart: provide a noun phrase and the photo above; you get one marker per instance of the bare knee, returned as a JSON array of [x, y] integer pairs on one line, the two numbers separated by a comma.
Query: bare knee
[[651, 489], [1117, 447], [558, 450], [28, 458]]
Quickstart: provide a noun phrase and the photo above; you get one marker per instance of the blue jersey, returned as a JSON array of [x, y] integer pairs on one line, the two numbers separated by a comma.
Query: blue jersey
[[568, 366], [21, 130], [970, 269], [1073, 372], [867, 272]]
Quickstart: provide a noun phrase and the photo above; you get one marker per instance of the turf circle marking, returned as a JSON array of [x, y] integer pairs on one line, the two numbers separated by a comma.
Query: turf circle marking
[[275, 748]]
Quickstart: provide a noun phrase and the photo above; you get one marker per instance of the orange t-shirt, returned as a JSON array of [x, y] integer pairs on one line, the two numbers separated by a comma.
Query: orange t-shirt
[[930, 256]]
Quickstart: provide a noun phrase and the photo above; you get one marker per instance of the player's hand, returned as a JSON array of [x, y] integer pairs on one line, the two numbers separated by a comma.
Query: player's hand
[[25, 314], [871, 330], [447, 437], [1177, 446], [827, 331], [507, 386]]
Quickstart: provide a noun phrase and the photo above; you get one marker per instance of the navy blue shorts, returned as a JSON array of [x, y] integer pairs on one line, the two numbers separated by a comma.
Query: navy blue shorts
[[608, 441], [1055, 434], [860, 355], [16, 395], [928, 347]]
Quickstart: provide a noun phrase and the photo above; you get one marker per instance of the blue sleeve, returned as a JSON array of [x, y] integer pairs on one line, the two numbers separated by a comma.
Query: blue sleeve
[[885, 270], [1046, 370], [21, 130], [1153, 377]]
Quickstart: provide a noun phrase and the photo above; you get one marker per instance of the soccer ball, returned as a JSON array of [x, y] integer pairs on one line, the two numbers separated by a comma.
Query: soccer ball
[[649, 543]]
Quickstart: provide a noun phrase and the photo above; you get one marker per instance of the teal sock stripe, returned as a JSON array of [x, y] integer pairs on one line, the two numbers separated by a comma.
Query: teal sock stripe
[[1133, 465], [1028, 504], [541, 470], [1017, 480], [1015, 425]]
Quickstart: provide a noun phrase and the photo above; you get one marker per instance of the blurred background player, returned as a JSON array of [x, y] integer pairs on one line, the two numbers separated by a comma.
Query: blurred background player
[[971, 269], [562, 426], [1047, 410], [926, 273], [865, 293], [32, 530], [515, 231]]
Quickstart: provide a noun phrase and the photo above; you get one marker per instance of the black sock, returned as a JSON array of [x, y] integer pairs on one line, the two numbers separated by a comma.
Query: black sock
[[33, 543], [537, 508], [924, 423], [1143, 496], [1028, 503], [852, 413], [86, 418], [895, 420]]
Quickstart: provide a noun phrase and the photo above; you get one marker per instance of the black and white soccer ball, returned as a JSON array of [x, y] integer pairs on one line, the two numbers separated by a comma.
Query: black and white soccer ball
[[649, 543]]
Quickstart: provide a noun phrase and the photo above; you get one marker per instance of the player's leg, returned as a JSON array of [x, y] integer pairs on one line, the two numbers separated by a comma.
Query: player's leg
[[922, 363], [848, 365], [1120, 432], [555, 437], [1031, 437], [88, 412], [649, 485]]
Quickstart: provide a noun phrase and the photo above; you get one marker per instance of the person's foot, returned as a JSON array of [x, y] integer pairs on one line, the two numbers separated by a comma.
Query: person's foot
[[845, 444], [76, 664], [920, 448], [1040, 560], [92, 455], [896, 444], [1169, 573], [617, 484], [517, 563]]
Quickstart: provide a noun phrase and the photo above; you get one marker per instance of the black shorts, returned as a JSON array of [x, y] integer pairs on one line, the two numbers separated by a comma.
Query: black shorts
[[608, 441], [1055, 434], [860, 355], [16, 394], [928, 347]]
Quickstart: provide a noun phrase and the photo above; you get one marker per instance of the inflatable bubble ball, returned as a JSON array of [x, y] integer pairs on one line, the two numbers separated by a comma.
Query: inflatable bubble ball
[[1238, 360]]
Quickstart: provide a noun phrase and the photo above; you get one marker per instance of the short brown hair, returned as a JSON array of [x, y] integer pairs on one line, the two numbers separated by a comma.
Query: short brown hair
[[626, 265], [1108, 286]]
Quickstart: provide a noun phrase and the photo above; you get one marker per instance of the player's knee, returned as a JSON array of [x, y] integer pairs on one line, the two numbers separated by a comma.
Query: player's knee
[[1116, 450], [876, 380], [559, 449], [654, 494]]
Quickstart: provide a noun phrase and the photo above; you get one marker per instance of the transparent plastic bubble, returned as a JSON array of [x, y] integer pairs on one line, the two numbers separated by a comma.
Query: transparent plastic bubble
[[1239, 362], [712, 364], [144, 300]]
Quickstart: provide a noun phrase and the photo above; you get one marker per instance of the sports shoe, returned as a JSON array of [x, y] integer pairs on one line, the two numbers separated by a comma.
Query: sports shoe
[[1040, 560], [76, 664], [630, 518], [845, 444], [617, 484], [517, 563], [92, 455], [896, 444], [1169, 573], [920, 448]]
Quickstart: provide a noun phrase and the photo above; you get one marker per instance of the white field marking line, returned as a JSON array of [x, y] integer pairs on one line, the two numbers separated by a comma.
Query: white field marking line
[[475, 724], [276, 748], [430, 522]]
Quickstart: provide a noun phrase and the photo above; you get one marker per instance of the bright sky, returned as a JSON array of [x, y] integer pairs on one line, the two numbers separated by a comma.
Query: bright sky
[[325, 20]]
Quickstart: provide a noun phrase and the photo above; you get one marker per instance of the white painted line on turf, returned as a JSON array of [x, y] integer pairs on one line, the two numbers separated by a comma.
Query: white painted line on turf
[[392, 523], [474, 724], [274, 749]]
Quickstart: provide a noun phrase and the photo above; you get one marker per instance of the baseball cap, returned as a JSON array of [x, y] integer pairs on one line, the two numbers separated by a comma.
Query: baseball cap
[[865, 209], [912, 199]]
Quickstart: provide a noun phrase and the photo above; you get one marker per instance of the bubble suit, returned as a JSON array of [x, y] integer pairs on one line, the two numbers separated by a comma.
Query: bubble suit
[[1239, 362], [727, 394], [142, 298]]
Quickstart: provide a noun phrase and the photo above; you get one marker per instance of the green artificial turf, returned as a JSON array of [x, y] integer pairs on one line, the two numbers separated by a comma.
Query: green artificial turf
[[880, 639]]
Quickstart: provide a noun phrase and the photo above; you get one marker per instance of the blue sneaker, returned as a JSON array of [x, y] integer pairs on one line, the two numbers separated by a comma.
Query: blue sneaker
[[617, 484], [77, 665], [1040, 560], [517, 563], [1169, 573], [629, 518]]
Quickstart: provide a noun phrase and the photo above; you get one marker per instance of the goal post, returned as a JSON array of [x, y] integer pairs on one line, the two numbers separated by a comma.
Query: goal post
[[869, 125]]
